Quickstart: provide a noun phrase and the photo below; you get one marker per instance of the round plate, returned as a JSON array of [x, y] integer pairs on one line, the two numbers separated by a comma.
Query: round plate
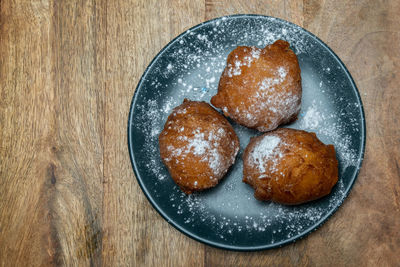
[[228, 216]]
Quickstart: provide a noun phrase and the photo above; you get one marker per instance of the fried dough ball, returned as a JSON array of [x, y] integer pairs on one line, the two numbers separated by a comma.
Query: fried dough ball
[[260, 88], [289, 166], [198, 145]]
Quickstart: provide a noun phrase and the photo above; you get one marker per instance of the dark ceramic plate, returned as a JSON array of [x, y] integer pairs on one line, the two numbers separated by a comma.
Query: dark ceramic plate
[[228, 216]]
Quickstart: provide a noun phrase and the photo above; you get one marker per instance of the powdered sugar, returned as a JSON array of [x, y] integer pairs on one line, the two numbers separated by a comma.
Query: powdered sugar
[[269, 83], [202, 209], [312, 118], [198, 144], [282, 73], [235, 70], [280, 103], [255, 53], [205, 145], [151, 122], [264, 150]]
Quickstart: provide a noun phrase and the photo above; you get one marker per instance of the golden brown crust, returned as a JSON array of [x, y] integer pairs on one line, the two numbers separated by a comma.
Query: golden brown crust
[[198, 145], [289, 166], [260, 88]]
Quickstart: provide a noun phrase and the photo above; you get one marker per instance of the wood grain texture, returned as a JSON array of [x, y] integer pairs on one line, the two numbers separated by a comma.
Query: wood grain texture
[[134, 233], [68, 71], [26, 127]]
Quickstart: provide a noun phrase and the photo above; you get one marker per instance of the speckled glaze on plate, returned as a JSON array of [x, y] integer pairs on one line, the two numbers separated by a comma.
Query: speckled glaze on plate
[[228, 216]]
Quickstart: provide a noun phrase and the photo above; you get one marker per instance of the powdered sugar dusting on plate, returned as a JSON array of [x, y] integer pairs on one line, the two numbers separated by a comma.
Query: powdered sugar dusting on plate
[[290, 220], [151, 122]]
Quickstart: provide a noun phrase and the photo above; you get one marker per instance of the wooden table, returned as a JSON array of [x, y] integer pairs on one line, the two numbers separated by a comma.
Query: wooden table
[[68, 71]]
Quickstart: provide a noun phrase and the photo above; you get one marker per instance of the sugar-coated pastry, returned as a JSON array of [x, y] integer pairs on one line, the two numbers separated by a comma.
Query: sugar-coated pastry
[[289, 166], [198, 145], [260, 88]]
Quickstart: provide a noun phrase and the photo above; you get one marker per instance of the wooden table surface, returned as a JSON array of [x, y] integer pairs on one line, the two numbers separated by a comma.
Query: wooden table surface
[[68, 71]]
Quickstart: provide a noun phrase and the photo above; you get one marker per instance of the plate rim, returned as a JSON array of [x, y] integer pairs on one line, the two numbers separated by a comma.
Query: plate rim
[[205, 241]]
